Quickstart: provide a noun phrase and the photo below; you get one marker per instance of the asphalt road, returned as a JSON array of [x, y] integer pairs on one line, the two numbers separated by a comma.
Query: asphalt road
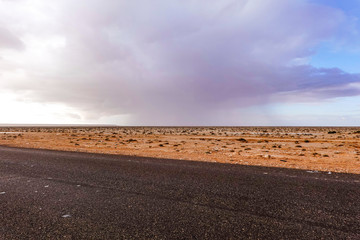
[[63, 195]]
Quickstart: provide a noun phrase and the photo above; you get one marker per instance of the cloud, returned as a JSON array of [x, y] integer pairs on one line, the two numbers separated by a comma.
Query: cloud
[[171, 62], [8, 40]]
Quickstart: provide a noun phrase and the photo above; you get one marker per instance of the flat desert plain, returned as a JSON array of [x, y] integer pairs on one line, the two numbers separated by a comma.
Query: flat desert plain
[[331, 149]]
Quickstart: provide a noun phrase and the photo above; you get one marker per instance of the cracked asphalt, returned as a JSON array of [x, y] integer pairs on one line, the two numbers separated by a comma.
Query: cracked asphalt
[[66, 195]]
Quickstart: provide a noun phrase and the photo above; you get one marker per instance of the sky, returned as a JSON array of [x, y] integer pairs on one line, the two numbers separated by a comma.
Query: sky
[[192, 62]]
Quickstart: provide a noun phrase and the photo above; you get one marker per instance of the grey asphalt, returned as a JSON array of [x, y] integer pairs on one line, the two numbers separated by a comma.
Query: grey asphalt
[[63, 195]]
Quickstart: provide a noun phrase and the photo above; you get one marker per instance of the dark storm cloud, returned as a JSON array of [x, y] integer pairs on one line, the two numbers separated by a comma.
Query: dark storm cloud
[[174, 62]]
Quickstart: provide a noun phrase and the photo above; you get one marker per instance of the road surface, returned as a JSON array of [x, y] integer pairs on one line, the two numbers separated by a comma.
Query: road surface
[[63, 195]]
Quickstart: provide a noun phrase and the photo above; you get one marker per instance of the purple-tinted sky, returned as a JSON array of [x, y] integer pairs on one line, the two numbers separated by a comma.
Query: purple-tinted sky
[[160, 62]]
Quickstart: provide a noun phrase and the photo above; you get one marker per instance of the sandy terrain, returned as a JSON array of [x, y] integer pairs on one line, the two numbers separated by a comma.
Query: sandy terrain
[[322, 149]]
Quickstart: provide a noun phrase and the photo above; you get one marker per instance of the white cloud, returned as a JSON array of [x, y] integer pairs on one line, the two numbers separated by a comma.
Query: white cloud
[[167, 62]]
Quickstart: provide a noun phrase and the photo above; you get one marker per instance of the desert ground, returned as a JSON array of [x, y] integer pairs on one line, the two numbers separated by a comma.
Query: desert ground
[[331, 149]]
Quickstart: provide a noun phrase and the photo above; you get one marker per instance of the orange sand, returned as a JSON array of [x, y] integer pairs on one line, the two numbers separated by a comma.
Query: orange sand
[[290, 147]]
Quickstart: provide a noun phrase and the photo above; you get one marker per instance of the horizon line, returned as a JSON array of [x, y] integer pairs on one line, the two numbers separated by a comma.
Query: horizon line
[[165, 126]]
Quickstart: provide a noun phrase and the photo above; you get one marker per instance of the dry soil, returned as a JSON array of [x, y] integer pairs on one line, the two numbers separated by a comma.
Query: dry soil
[[312, 148]]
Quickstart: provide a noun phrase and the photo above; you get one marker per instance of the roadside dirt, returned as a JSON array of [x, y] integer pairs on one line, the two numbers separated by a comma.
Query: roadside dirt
[[321, 149]]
